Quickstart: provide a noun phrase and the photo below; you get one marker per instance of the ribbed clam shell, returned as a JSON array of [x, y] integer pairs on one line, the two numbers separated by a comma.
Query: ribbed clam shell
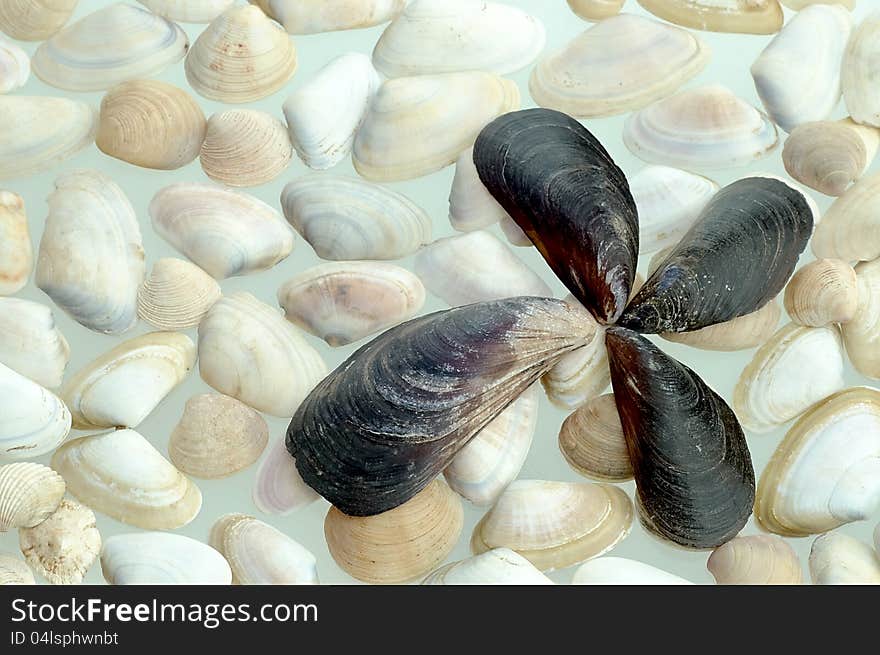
[[446, 36], [241, 56], [15, 66], [826, 471], [244, 148], [838, 559], [225, 232], [419, 125], [740, 333], [188, 11], [261, 555], [861, 335], [755, 560], [849, 229], [744, 16], [34, 20], [248, 351], [471, 206], [64, 546], [800, 4], [14, 572], [347, 301], [37, 132], [151, 124], [114, 44], [621, 571], [30, 342], [33, 420], [400, 544], [279, 488], [346, 218], [591, 440], [499, 566], [620, 64], [861, 65], [313, 16], [124, 385], [29, 493], [162, 558], [176, 295], [596, 10], [823, 292], [122, 475], [16, 252], [217, 436]]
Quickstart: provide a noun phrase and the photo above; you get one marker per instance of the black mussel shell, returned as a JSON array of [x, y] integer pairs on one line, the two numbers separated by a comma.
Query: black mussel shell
[[381, 426], [565, 192], [693, 470], [737, 257]]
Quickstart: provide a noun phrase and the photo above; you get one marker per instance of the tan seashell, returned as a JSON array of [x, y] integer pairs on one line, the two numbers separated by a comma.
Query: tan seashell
[[16, 251], [861, 65], [15, 66], [595, 10], [151, 124], [838, 559], [592, 441], [176, 295], [30, 342], [755, 560], [743, 16], [740, 333], [822, 292], [401, 544], [188, 11], [64, 546], [797, 5], [850, 229], [861, 335], [14, 572], [34, 20], [278, 487], [313, 16], [29, 493], [217, 436]]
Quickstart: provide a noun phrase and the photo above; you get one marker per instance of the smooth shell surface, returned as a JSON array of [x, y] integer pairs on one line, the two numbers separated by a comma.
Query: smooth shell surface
[[861, 334], [861, 66], [740, 333], [313, 16], [29, 493], [245, 148], [596, 10], [823, 292], [838, 559], [279, 488], [14, 572], [16, 251], [34, 20], [188, 11], [800, 4], [162, 558], [15, 66], [499, 566], [743, 16], [755, 560], [471, 206], [592, 441], [621, 571], [849, 229], [33, 420], [176, 295], [64, 546]]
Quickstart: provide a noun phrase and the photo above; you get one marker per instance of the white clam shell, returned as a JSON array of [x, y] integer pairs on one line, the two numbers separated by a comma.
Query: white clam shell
[[621, 571], [499, 566], [861, 335], [346, 218], [838, 559], [744, 16], [188, 11], [64, 546], [313, 16], [29, 493], [861, 66], [279, 488], [471, 206], [324, 114], [162, 558], [122, 475], [225, 232], [30, 342], [33, 420], [91, 259], [261, 555], [176, 295], [14, 572], [247, 350], [753, 560], [15, 66], [16, 251], [514, 233], [850, 229]]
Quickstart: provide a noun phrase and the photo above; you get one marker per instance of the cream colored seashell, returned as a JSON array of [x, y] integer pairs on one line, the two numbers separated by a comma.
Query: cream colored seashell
[[64, 546], [861, 335], [122, 475], [324, 114], [16, 252], [850, 229], [838, 559], [401, 544], [151, 124], [34, 20], [245, 148], [279, 488], [176, 295], [241, 56], [261, 555], [513, 232], [798, 75], [419, 125], [592, 442], [861, 66], [800, 4], [29, 493], [743, 16], [38, 132], [14, 572], [596, 10], [491, 460], [500, 566], [446, 36], [740, 333], [823, 292], [248, 351], [796, 368], [826, 471], [114, 44], [15, 66], [313, 16], [188, 11], [33, 420], [755, 560], [346, 218], [345, 302], [124, 385], [225, 232], [30, 342], [555, 524], [621, 571], [471, 206], [619, 64], [217, 436], [162, 558], [701, 128]]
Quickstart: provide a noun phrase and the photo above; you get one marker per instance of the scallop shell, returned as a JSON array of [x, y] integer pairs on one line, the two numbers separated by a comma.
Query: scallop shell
[[596, 10], [823, 292], [838, 559], [499, 566], [825, 471], [248, 351], [849, 229], [471, 206], [401, 544], [112, 45], [744, 16], [261, 555], [14, 572], [346, 218], [419, 125], [124, 385], [33, 420], [618, 65], [241, 56], [313, 16], [122, 475], [861, 335], [38, 132], [755, 560], [162, 558], [16, 252], [621, 571], [345, 302], [591, 440], [29, 493], [176, 295], [798, 75], [244, 148], [800, 4], [279, 488], [702, 128], [217, 436], [740, 333], [188, 11], [861, 65], [64, 546], [491, 460], [30, 342], [15, 66], [225, 232], [34, 20], [151, 124], [446, 36]]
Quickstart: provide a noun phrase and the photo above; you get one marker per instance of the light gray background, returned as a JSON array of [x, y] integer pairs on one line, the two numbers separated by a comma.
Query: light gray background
[[732, 56]]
